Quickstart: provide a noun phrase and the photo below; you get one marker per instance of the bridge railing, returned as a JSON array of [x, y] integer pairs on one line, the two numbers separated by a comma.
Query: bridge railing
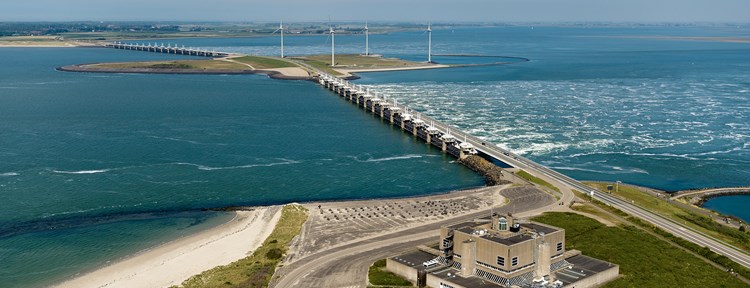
[[520, 161]]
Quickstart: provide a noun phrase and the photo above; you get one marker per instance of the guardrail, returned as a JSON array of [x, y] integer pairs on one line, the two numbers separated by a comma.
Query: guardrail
[[521, 162]]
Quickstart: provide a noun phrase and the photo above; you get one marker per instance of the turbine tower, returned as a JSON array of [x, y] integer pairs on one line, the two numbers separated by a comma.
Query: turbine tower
[[281, 28], [367, 40], [333, 47], [429, 43]]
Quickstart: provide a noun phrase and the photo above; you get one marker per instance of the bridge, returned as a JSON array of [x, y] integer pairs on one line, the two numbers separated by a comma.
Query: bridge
[[168, 49], [453, 141]]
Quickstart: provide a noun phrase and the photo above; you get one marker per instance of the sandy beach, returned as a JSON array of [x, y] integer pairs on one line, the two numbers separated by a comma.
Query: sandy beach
[[174, 262]]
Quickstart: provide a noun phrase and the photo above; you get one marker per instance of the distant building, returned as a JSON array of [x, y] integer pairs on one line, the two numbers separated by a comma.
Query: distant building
[[497, 251]]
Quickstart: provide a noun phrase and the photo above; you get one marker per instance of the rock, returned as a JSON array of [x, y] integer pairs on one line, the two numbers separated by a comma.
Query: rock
[[492, 174]]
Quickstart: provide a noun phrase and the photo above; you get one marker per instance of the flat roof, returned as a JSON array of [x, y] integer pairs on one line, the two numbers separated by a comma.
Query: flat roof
[[583, 267], [414, 258], [510, 238], [473, 281]]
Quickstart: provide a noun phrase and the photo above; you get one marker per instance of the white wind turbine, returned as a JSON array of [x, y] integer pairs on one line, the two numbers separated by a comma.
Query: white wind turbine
[[333, 46], [367, 40], [281, 29], [429, 43]]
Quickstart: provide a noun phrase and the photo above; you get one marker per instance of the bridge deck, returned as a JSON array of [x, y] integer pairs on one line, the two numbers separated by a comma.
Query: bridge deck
[[339, 85]]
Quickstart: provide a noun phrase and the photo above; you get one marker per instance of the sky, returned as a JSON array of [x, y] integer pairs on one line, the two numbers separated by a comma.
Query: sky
[[379, 10]]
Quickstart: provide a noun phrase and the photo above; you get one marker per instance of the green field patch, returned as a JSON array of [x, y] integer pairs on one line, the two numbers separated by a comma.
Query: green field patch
[[260, 62], [645, 260], [536, 180], [379, 277]]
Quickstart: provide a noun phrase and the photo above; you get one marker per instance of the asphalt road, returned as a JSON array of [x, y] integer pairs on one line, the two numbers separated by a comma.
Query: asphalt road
[[543, 172], [666, 224], [347, 265]]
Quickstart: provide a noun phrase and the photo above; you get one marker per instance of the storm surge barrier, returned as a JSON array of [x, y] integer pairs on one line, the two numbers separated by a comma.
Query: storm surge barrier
[[166, 49], [460, 144]]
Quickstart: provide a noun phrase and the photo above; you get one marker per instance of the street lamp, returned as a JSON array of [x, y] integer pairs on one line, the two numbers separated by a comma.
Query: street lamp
[[617, 186]]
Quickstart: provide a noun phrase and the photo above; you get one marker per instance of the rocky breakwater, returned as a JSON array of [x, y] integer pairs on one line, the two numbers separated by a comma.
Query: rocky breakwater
[[492, 174]]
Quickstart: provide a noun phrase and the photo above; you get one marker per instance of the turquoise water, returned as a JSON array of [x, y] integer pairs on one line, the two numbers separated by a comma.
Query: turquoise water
[[98, 166], [102, 156], [594, 103]]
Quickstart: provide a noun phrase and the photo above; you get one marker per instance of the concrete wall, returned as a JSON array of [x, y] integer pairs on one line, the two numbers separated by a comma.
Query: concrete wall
[[597, 279], [434, 282], [402, 270]]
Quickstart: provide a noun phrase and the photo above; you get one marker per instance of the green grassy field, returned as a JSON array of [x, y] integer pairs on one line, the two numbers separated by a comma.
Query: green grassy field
[[359, 61], [535, 180], [323, 62], [178, 64], [645, 260], [256, 270], [260, 62], [379, 277], [666, 208]]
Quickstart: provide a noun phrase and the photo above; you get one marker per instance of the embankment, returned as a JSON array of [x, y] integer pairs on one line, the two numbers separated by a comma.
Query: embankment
[[492, 174], [86, 68]]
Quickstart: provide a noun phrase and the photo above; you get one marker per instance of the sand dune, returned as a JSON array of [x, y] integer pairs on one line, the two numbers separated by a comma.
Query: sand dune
[[174, 262]]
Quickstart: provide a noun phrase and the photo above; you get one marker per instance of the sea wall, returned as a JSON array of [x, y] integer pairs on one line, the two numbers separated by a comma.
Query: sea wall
[[492, 174]]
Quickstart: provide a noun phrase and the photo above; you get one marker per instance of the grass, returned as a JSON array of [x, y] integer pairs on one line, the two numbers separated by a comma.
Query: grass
[[32, 41], [257, 269], [359, 61], [585, 208], [645, 260], [535, 180], [260, 62], [323, 62], [178, 64], [379, 277], [665, 208]]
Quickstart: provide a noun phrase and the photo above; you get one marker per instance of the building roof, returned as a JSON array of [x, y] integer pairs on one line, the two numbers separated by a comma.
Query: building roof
[[582, 267], [414, 259], [506, 238], [473, 281]]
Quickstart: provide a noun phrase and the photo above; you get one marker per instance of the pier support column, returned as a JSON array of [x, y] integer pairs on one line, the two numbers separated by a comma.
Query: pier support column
[[445, 147], [414, 130]]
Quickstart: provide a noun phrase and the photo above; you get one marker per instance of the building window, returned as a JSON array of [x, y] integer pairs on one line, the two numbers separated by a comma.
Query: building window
[[514, 261], [500, 261], [502, 224], [559, 247]]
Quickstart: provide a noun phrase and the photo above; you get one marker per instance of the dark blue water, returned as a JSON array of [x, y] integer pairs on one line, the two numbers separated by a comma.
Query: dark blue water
[[97, 166], [735, 205]]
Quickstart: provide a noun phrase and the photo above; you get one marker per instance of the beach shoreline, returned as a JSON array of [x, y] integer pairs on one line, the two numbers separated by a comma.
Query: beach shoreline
[[176, 261]]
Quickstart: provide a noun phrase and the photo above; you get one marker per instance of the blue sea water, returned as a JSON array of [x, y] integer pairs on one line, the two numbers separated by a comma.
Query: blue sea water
[[123, 162], [94, 167]]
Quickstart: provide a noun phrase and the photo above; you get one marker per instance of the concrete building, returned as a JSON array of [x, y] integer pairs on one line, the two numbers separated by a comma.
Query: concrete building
[[498, 251]]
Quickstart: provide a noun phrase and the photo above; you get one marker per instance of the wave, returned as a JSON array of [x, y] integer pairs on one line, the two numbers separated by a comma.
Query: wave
[[82, 171], [401, 157], [185, 140], [618, 170], [9, 174], [209, 168]]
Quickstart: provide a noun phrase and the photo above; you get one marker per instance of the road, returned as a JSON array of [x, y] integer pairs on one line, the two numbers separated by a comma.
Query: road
[[347, 265], [668, 225], [543, 172]]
